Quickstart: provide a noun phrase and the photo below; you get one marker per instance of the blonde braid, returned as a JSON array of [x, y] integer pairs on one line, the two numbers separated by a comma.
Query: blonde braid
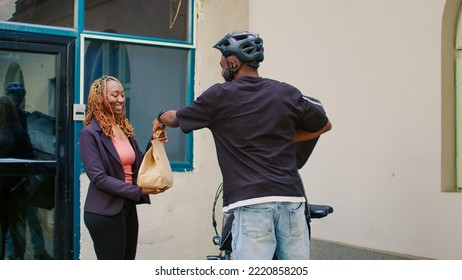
[[95, 109]]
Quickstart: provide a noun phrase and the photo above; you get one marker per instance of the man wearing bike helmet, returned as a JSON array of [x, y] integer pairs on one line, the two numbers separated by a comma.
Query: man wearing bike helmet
[[254, 122], [17, 92]]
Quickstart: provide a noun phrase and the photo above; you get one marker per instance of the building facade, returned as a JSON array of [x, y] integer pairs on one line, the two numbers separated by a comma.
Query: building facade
[[386, 72]]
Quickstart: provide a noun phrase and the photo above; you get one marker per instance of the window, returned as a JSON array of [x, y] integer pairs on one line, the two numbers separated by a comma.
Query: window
[[168, 19], [153, 77], [44, 12], [35, 145], [147, 45]]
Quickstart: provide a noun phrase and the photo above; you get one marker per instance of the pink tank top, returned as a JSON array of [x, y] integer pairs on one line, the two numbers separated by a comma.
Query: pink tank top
[[127, 156]]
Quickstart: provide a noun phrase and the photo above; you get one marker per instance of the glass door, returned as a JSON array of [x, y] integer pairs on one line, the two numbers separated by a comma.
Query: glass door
[[36, 134]]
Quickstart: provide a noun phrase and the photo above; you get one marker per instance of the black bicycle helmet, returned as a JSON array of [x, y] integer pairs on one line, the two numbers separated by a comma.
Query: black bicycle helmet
[[245, 45], [15, 88]]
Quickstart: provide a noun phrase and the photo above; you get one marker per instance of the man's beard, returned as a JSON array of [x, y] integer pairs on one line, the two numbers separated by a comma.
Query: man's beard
[[228, 76]]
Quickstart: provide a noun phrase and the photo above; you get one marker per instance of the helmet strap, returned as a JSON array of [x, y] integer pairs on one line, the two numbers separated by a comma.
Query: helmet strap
[[231, 71]]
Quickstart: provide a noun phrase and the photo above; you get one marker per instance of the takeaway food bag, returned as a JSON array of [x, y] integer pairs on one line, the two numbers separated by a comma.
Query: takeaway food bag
[[155, 171]]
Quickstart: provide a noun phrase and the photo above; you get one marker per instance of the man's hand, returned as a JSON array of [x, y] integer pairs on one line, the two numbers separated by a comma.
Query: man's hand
[[158, 131]]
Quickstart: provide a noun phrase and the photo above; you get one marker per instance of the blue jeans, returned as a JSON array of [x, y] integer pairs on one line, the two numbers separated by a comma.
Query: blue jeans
[[262, 230]]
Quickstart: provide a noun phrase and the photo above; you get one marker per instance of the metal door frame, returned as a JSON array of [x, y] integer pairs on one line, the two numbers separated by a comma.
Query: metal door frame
[[64, 48]]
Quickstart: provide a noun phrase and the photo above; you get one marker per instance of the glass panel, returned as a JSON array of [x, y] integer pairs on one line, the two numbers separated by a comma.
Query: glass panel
[[29, 82], [27, 133], [154, 78], [45, 12], [167, 19]]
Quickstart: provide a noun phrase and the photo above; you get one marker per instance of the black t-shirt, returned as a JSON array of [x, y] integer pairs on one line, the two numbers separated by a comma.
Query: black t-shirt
[[253, 121]]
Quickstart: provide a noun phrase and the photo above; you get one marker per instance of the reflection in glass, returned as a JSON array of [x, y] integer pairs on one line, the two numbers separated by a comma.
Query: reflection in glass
[[154, 78], [30, 83], [168, 19], [27, 132], [45, 12]]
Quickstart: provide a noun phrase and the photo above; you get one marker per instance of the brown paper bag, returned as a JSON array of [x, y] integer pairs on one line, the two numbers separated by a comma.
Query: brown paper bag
[[155, 171]]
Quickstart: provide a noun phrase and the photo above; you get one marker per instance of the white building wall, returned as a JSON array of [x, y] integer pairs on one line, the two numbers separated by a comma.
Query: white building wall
[[376, 65], [178, 224]]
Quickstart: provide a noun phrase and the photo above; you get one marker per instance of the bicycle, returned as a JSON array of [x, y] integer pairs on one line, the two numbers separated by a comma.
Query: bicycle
[[316, 211]]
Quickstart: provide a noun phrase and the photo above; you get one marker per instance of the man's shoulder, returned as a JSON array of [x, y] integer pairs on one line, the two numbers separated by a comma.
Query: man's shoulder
[[215, 88], [281, 85]]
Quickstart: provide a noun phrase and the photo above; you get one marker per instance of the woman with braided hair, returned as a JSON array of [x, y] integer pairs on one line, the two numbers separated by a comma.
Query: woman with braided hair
[[111, 158]]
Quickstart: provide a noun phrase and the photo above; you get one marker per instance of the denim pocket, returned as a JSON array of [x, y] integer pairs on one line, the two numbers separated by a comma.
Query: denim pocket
[[256, 222], [298, 224]]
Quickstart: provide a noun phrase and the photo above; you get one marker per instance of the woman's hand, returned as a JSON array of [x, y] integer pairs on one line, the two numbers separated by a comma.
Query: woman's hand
[[158, 131], [154, 191]]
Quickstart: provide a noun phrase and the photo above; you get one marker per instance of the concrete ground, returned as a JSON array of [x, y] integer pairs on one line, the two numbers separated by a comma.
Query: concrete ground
[[323, 250]]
